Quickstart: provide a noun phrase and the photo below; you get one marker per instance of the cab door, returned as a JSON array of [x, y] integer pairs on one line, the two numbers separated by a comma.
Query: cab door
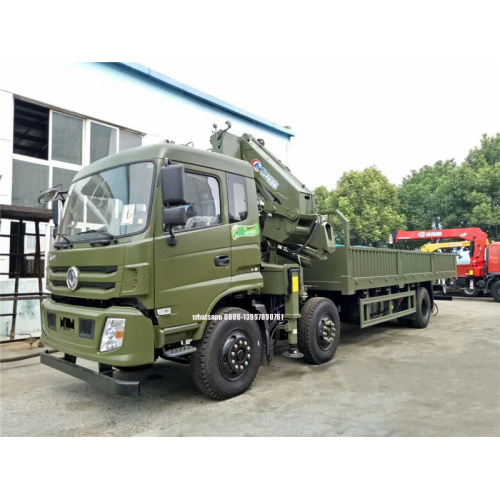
[[245, 231], [191, 274]]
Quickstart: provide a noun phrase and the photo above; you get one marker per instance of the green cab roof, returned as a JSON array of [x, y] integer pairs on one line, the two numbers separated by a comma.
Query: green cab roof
[[172, 152]]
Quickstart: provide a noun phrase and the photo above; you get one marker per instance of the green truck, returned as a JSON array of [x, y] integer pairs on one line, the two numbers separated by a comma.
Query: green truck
[[210, 258]]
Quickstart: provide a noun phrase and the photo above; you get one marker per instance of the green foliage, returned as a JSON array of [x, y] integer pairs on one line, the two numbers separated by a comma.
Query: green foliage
[[444, 195], [419, 200], [370, 203], [448, 195], [323, 199]]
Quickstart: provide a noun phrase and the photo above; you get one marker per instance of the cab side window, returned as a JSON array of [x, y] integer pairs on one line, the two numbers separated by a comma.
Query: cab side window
[[203, 202], [237, 197]]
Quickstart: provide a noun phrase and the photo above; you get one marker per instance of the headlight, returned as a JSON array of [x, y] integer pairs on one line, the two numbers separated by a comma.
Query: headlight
[[112, 334]]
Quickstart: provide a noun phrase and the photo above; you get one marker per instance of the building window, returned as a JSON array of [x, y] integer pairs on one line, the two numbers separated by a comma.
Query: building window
[[67, 138], [62, 177], [102, 141], [129, 140], [50, 147], [237, 197], [31, 130], [28, 179]]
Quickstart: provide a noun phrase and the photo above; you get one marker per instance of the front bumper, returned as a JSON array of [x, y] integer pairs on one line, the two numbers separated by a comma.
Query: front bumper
[[65, 333], [103, 380]]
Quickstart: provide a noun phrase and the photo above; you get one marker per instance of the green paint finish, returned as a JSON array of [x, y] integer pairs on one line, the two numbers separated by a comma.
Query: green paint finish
[[358, 268], [244, 231], [145, 280], [138, 340]]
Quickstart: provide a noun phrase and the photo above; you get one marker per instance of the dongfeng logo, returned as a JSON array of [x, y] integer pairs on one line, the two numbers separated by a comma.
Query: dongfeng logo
[[72, 278]]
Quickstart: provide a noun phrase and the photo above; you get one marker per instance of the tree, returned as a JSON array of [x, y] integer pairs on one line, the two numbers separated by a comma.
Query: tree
[[447, 195], [370, 203], [419, 200], [323, 198], [484, 200]]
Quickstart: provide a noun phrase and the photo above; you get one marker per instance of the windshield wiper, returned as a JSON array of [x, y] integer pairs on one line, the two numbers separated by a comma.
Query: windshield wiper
[[68, 244], [109, 237]]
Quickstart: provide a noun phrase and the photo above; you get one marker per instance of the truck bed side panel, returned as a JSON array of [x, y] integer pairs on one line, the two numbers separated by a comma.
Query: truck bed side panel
[[354, 268]]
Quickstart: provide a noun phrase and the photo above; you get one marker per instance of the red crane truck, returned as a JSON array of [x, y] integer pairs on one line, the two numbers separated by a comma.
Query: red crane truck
[[483, 272]]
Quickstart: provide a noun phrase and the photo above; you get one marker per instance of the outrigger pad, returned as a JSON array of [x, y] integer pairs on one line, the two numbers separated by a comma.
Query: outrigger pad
[[293, 352]]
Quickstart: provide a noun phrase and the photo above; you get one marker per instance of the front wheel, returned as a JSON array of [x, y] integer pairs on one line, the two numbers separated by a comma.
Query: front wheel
[[227, 358], [495, 291], [319, 330]]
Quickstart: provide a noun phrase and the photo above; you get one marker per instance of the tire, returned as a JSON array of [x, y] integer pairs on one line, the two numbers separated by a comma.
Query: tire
[[423, 314], [223, 342], [470, 293], [495, 291], [317, 314]]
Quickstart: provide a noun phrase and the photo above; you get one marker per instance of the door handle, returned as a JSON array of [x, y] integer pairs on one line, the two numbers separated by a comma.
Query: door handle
[[222, 260]]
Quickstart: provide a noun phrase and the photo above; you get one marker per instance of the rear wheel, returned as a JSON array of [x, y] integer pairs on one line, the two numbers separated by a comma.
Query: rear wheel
[[228, 356], [423, 312], [470, 293], [319, 330], [495, 291]]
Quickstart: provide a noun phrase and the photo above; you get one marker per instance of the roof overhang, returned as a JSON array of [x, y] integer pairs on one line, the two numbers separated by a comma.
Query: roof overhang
[[205, 98]]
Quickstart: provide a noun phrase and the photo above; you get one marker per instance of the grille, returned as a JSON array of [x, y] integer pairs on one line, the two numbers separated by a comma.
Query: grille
[[83, 284], [51, 321], [89, 269], [86, 328]]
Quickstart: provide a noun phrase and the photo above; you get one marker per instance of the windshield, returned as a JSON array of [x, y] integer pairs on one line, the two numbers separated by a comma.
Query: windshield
[[116, 201]]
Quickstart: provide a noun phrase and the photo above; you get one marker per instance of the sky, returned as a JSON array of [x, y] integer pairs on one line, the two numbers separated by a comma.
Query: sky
[[388, 83], [398, 116]]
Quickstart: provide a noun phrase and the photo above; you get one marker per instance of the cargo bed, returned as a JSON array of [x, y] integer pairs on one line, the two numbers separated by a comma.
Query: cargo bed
[[350, 269]]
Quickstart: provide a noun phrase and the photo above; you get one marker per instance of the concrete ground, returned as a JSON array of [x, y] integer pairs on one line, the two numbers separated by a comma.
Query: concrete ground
[[384, 381]]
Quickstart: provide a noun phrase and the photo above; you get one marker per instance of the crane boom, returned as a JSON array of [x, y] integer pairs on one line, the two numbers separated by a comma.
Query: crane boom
[[433, 247], [288, 210], [475, 235]]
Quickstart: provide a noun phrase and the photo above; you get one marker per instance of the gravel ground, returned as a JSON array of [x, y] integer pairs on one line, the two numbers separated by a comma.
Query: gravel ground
[[384, 381]]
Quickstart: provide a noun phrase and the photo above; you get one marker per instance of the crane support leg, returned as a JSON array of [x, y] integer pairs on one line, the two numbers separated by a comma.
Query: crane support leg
[[292, 312]]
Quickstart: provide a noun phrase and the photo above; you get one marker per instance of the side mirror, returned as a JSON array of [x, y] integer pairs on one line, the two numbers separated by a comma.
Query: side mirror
[[173, 193], [48, 195], [55, 196], [174, 216], [172, 185]]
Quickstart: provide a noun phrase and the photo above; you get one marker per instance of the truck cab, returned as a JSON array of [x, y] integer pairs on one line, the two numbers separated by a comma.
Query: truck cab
[[120, 290]]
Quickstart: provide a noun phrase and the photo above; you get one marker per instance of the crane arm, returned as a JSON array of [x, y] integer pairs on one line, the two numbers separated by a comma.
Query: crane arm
[[475, 235], [432, 247], [288, 208]]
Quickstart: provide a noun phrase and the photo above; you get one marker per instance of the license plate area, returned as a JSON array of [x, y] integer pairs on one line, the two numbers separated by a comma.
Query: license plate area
[[67, 324]]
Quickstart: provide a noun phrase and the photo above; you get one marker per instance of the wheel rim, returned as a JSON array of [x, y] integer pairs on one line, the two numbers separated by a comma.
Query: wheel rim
[[326, 332], [235, 354]]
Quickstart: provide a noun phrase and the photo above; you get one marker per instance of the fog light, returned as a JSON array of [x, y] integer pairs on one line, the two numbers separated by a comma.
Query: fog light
[[112, 334]]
